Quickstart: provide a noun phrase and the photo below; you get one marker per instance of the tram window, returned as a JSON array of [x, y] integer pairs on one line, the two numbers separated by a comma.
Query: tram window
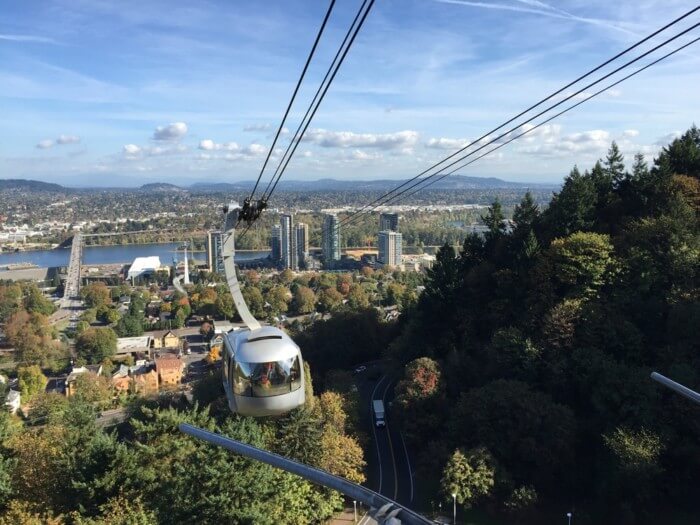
[[267, 379]]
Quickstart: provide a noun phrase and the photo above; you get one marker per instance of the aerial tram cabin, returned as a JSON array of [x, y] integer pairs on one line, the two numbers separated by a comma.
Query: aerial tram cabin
[[263, 370]]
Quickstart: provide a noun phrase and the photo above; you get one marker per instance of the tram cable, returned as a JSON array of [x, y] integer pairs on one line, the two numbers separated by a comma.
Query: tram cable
[[376, 203], [387, 197], [247, 202], [332, 71], [342, 52], [530, 130]]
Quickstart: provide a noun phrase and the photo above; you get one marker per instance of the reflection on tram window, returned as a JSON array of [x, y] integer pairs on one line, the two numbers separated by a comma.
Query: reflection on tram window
[[267, 379]]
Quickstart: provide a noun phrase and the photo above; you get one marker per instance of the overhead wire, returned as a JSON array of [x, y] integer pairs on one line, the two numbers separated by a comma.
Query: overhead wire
[[340, 55], [294, 94], [387, 197], [530, 130], [342, 52]]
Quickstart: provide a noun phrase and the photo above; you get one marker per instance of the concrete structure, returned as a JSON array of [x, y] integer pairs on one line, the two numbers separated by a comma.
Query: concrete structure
[[331, 240], [144, 266], [187, 267], [13, 401], [389, 248], [389, 222], [170, 369], [71, 289], [134, 345], [289, 251], [302, 240], [276, 244], [215, 261]]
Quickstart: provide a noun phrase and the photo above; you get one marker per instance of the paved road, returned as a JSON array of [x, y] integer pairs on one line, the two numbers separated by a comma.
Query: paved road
[[389, 463]]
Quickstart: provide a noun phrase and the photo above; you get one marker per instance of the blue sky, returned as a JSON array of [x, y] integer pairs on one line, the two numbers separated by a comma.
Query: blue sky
[[105, 93]]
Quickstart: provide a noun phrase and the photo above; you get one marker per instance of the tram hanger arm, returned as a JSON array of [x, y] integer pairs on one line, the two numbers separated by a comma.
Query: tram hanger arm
[[228, 251]]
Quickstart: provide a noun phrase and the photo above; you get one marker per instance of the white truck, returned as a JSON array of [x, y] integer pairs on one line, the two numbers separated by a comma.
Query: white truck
[[378, 406]]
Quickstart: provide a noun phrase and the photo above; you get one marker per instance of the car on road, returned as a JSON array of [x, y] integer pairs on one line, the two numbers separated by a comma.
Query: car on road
[[360, 369]]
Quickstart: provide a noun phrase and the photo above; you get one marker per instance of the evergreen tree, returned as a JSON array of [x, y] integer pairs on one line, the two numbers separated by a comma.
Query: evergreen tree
[[614, 165]]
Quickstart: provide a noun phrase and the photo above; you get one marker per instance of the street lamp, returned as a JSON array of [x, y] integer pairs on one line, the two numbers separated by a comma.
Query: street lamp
[[568, 515], [454, 508], [354, 504]]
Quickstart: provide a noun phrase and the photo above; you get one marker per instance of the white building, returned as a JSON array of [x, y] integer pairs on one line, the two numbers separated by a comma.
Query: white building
[[12, 401], [144, 266], [389, 248]]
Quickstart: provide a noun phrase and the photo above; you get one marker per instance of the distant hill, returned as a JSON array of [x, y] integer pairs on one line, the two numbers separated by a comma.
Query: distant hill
[[29, 185], [453, 182], [161, 186]]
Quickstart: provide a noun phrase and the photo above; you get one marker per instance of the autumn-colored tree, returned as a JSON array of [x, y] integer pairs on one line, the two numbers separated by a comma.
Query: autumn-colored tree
[[357, 297], [469, 476], [214, 354], [93, 389], [329, 299]]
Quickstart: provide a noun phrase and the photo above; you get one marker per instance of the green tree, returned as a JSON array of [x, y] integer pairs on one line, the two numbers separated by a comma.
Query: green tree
[[93, 389], [494, 221], [470, 476], [96, 295], [36, 302], [582, 263], [615, 165], [224, 307], [304, 300], [10, 300], [357, 297], [96, 344], [255, 301], [31, 381], [131, 325]]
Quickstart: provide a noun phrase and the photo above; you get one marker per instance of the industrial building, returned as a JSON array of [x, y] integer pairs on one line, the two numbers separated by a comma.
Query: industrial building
[[144, 266]]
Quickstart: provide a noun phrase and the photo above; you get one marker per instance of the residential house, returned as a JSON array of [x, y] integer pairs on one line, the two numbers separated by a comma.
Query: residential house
[[145, 380], [75, 372], [12, 401], [134, 346], [121, 381], [170, 369]]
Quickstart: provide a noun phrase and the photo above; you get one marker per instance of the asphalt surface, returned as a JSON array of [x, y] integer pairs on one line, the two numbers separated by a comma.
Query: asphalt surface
[[389, 463]]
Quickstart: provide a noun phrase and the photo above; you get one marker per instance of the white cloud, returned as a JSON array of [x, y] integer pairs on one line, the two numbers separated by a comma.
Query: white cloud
[[60, 141], [446, 143], [68, 139], [349, 139], [630, 133], [133, 151], [255, 150], [363, 155], [173, 131], [210, 145], [664, 140], [593, 142], [257, 128], [27, 38]]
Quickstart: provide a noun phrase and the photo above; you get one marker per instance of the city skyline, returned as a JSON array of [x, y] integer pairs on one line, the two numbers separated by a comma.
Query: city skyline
[[193, 93]]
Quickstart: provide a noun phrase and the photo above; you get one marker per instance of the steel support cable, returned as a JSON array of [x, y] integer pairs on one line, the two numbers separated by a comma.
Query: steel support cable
[[388, 197], [295, 143], [442, 176], [537, 104], [318, 91], [296, 90]]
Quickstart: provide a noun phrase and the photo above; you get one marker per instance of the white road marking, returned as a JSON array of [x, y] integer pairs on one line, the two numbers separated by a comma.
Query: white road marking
[[408, 462]]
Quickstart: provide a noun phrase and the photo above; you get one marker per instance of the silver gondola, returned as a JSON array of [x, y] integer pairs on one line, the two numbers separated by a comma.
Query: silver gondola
[[263, 370]]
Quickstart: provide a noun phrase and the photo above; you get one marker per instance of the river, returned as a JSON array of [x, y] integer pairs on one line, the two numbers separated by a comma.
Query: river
[[112, 255]]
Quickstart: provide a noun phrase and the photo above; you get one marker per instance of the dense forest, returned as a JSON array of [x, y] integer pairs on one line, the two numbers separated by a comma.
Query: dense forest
[[527, 388]]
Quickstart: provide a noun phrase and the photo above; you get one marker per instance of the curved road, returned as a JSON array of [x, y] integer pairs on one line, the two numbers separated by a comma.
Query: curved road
[[390, 469]]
